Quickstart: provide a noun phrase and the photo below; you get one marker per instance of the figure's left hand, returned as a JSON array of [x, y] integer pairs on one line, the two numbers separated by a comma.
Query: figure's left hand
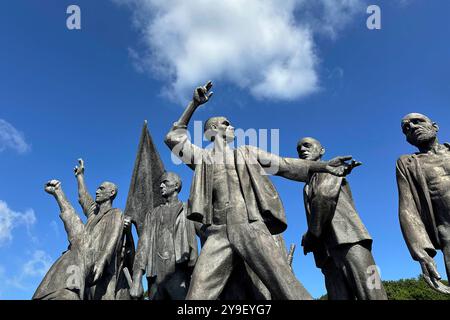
[[307, 243], [126, 222]]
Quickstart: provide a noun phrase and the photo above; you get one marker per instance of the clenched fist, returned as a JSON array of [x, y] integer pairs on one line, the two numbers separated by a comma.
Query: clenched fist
[[52, 186]]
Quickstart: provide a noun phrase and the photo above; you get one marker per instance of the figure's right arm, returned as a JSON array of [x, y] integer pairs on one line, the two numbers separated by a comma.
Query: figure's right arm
[[412, 226], [177, 138], [141, 258], [72, 222], [84, 198]]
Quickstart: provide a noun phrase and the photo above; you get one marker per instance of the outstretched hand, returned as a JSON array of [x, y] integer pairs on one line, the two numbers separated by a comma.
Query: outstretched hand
[[309, 242], [202, 94], [340, 167], [80, 168], [52, 186]]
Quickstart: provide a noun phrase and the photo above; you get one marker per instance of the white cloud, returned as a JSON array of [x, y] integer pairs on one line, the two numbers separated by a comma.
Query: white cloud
[[329, 17], [38, 265], [264, 46], [10, 219], [11, 138]]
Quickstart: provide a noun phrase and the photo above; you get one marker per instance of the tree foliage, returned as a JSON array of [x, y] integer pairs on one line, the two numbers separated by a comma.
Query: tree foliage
[[410, 289]]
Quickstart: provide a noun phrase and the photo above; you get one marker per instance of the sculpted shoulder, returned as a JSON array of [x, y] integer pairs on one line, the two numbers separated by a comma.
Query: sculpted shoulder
[[404, 158], [116, 212]]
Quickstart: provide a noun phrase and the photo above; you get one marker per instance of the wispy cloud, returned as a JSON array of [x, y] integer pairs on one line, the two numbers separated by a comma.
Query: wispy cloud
[[34, 268], [11, 138], [38, 265], [264, 46], [10, 219]]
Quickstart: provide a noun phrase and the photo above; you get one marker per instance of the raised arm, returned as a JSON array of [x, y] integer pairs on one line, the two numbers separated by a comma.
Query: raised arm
[[72, 222], [84, 198], [177, 139]]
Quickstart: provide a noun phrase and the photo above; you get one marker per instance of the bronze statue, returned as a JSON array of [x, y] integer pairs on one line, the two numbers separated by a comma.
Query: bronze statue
[[91, 267], [423, 180], [239, 205], [336, 235], [167, 247]]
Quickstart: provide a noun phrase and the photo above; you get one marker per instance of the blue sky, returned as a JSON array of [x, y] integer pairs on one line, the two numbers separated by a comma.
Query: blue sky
[[69, 94]]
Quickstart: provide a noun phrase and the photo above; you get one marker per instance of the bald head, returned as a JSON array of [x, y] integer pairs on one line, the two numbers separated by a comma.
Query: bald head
[[106, 191], [419, 129], [219, 127], [170, 183], [310, 149]]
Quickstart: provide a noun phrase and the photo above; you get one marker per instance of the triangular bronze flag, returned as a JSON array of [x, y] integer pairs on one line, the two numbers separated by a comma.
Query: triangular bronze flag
[[144, 193]]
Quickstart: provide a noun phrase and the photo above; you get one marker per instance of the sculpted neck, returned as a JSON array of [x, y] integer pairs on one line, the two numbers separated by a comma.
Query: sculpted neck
[[172, 199], [221, 145], [105, 206], [432, 145]]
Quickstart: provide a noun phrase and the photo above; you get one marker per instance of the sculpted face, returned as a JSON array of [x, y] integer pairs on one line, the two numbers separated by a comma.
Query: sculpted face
[[105, 191], [419, 129], [220, 127], [170, 183], [310, 149]]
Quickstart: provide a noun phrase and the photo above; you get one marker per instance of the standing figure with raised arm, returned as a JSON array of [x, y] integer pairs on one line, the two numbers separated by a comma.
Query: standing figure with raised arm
[[167, 248], [336, 235], [91, 268], [234, 199], [66, 278], [104, 230], [423, 180]]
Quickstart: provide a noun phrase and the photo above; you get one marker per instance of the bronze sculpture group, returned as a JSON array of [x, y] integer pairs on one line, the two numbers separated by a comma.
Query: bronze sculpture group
[[236, 212]]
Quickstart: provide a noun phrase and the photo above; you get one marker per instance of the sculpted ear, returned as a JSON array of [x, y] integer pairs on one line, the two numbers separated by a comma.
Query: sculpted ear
[[435, 125]]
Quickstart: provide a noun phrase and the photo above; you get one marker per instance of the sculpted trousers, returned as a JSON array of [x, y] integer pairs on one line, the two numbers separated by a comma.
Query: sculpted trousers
[[356, 275], [253, 243], [173, 287]]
